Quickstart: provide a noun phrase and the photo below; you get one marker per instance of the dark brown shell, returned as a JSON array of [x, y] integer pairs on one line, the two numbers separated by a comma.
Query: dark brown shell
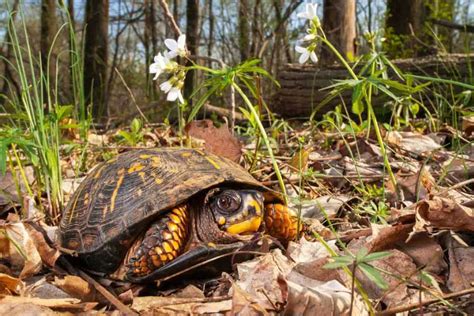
[[120, 198]]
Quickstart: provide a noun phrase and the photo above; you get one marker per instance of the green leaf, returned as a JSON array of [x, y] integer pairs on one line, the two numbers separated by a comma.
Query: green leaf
[[361, 254], [373, 275], [376, 256]]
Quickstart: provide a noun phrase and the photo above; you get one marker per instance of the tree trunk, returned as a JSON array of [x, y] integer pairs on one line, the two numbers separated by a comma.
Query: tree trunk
[[339, 24], [8, 79], [405, 18], [244, 30], [192, 40], [210, 42], [48, 31], [150, 40], [95, 53]]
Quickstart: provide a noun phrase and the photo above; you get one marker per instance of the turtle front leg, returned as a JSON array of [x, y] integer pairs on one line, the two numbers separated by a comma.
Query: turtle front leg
[[281, 222], [163, 242]]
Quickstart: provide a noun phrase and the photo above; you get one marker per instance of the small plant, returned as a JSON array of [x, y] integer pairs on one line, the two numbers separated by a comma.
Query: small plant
[[135, 135], [360, 261]]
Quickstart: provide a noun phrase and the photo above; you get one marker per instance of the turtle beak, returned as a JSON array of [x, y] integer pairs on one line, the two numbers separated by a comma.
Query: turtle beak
[[250, 225]]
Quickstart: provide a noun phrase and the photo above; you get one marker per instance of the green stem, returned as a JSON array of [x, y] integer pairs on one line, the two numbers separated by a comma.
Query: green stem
[[339, 56], [265, 139]]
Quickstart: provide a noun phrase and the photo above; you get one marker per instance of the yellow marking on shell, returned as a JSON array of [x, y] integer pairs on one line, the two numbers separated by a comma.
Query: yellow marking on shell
[[200, 152], [212, 245], [221, 220], [145, 156], [179, 211], [186, 154], [142, 175], [175, 218], [166, 246], [117, 187], [248, 226], [158, 250], [104, 211], [215, 164], [245, 212], [155, 162], [139, 192], [164, 257], [158, 181], [170, 257], [135, 167], [98, 173]]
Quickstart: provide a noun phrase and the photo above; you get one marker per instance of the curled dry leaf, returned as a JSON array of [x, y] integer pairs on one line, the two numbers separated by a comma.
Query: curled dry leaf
[[218, 141], [18, 248], [48, 254], [444, 213], [10, 285], [412, 142]]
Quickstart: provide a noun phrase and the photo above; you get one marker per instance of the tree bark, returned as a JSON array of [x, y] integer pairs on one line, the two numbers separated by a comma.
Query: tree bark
[[244, 40], [210, 42], [95, 53], [8, 78], [48, 31], [406, 18], [339, 24], [192, 40]]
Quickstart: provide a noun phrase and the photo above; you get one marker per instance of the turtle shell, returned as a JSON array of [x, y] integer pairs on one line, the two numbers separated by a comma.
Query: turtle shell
[[122, 197]]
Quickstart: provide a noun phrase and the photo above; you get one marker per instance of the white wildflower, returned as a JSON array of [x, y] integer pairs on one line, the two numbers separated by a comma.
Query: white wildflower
[[306, 54], [310, 12], [176, 48]]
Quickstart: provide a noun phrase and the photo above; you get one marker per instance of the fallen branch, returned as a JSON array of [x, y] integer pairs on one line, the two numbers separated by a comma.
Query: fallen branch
[[461, 27]]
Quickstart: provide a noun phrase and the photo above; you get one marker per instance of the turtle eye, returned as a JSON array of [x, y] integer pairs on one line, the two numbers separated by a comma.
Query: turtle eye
[[228, 202]]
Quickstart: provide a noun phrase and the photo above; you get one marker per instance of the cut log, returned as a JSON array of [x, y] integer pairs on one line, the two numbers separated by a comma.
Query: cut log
[[301, 85]]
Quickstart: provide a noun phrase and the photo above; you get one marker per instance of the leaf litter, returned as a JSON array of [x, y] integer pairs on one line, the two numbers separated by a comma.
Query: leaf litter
[[407, 253]]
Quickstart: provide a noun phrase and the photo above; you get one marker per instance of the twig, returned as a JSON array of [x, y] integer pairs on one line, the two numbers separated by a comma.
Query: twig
[[456, 186], [170, 17], [461, 27], [131, 95], [405, 308]]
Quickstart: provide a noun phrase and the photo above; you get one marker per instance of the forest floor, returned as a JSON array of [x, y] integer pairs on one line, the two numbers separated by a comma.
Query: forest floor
[[411, 248]]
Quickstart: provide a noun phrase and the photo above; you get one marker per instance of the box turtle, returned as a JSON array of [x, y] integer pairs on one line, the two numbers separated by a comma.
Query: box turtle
[[151, 213]]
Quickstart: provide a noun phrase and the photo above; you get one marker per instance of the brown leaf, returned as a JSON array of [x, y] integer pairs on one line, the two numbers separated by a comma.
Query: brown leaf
[[10, 285], [76, 287], [187, 306], [48, 255], [412, 142], [461, 269], [25, 309], [18, 248], [218, 141], [425, 252], [444, 213], [69, 304], [385, 236]]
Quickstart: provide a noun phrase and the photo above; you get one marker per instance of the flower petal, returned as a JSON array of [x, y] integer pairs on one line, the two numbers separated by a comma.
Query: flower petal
[[173, 94], [182, 41], [180, 96], [300, 49], [314, 57], [171, 44], [166, 86], [304, 57]]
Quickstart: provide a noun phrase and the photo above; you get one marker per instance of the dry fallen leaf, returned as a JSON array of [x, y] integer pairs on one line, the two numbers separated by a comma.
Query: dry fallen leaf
[[18, 248], [461, 269], [218, 141], [76, 287], [412, 142], [157, 305], [10, 285], [444, 213]]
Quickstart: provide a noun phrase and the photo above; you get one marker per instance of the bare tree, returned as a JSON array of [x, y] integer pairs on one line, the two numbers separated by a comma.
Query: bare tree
[[244, 40], [192, 39], [8, 78], [339, 24], [48, 31], [95, 53]]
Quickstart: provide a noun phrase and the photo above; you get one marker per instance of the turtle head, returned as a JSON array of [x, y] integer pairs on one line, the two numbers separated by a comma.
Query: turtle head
[[236, 211]]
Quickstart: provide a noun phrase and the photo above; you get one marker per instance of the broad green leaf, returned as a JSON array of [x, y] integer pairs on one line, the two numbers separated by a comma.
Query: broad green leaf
[[374, 275]]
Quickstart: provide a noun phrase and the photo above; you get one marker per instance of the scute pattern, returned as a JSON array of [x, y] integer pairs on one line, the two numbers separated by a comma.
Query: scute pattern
[[120, 198]]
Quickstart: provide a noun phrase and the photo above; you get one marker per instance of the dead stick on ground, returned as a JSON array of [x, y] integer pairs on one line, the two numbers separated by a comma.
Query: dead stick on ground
[[409, 307], [109, 296]]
